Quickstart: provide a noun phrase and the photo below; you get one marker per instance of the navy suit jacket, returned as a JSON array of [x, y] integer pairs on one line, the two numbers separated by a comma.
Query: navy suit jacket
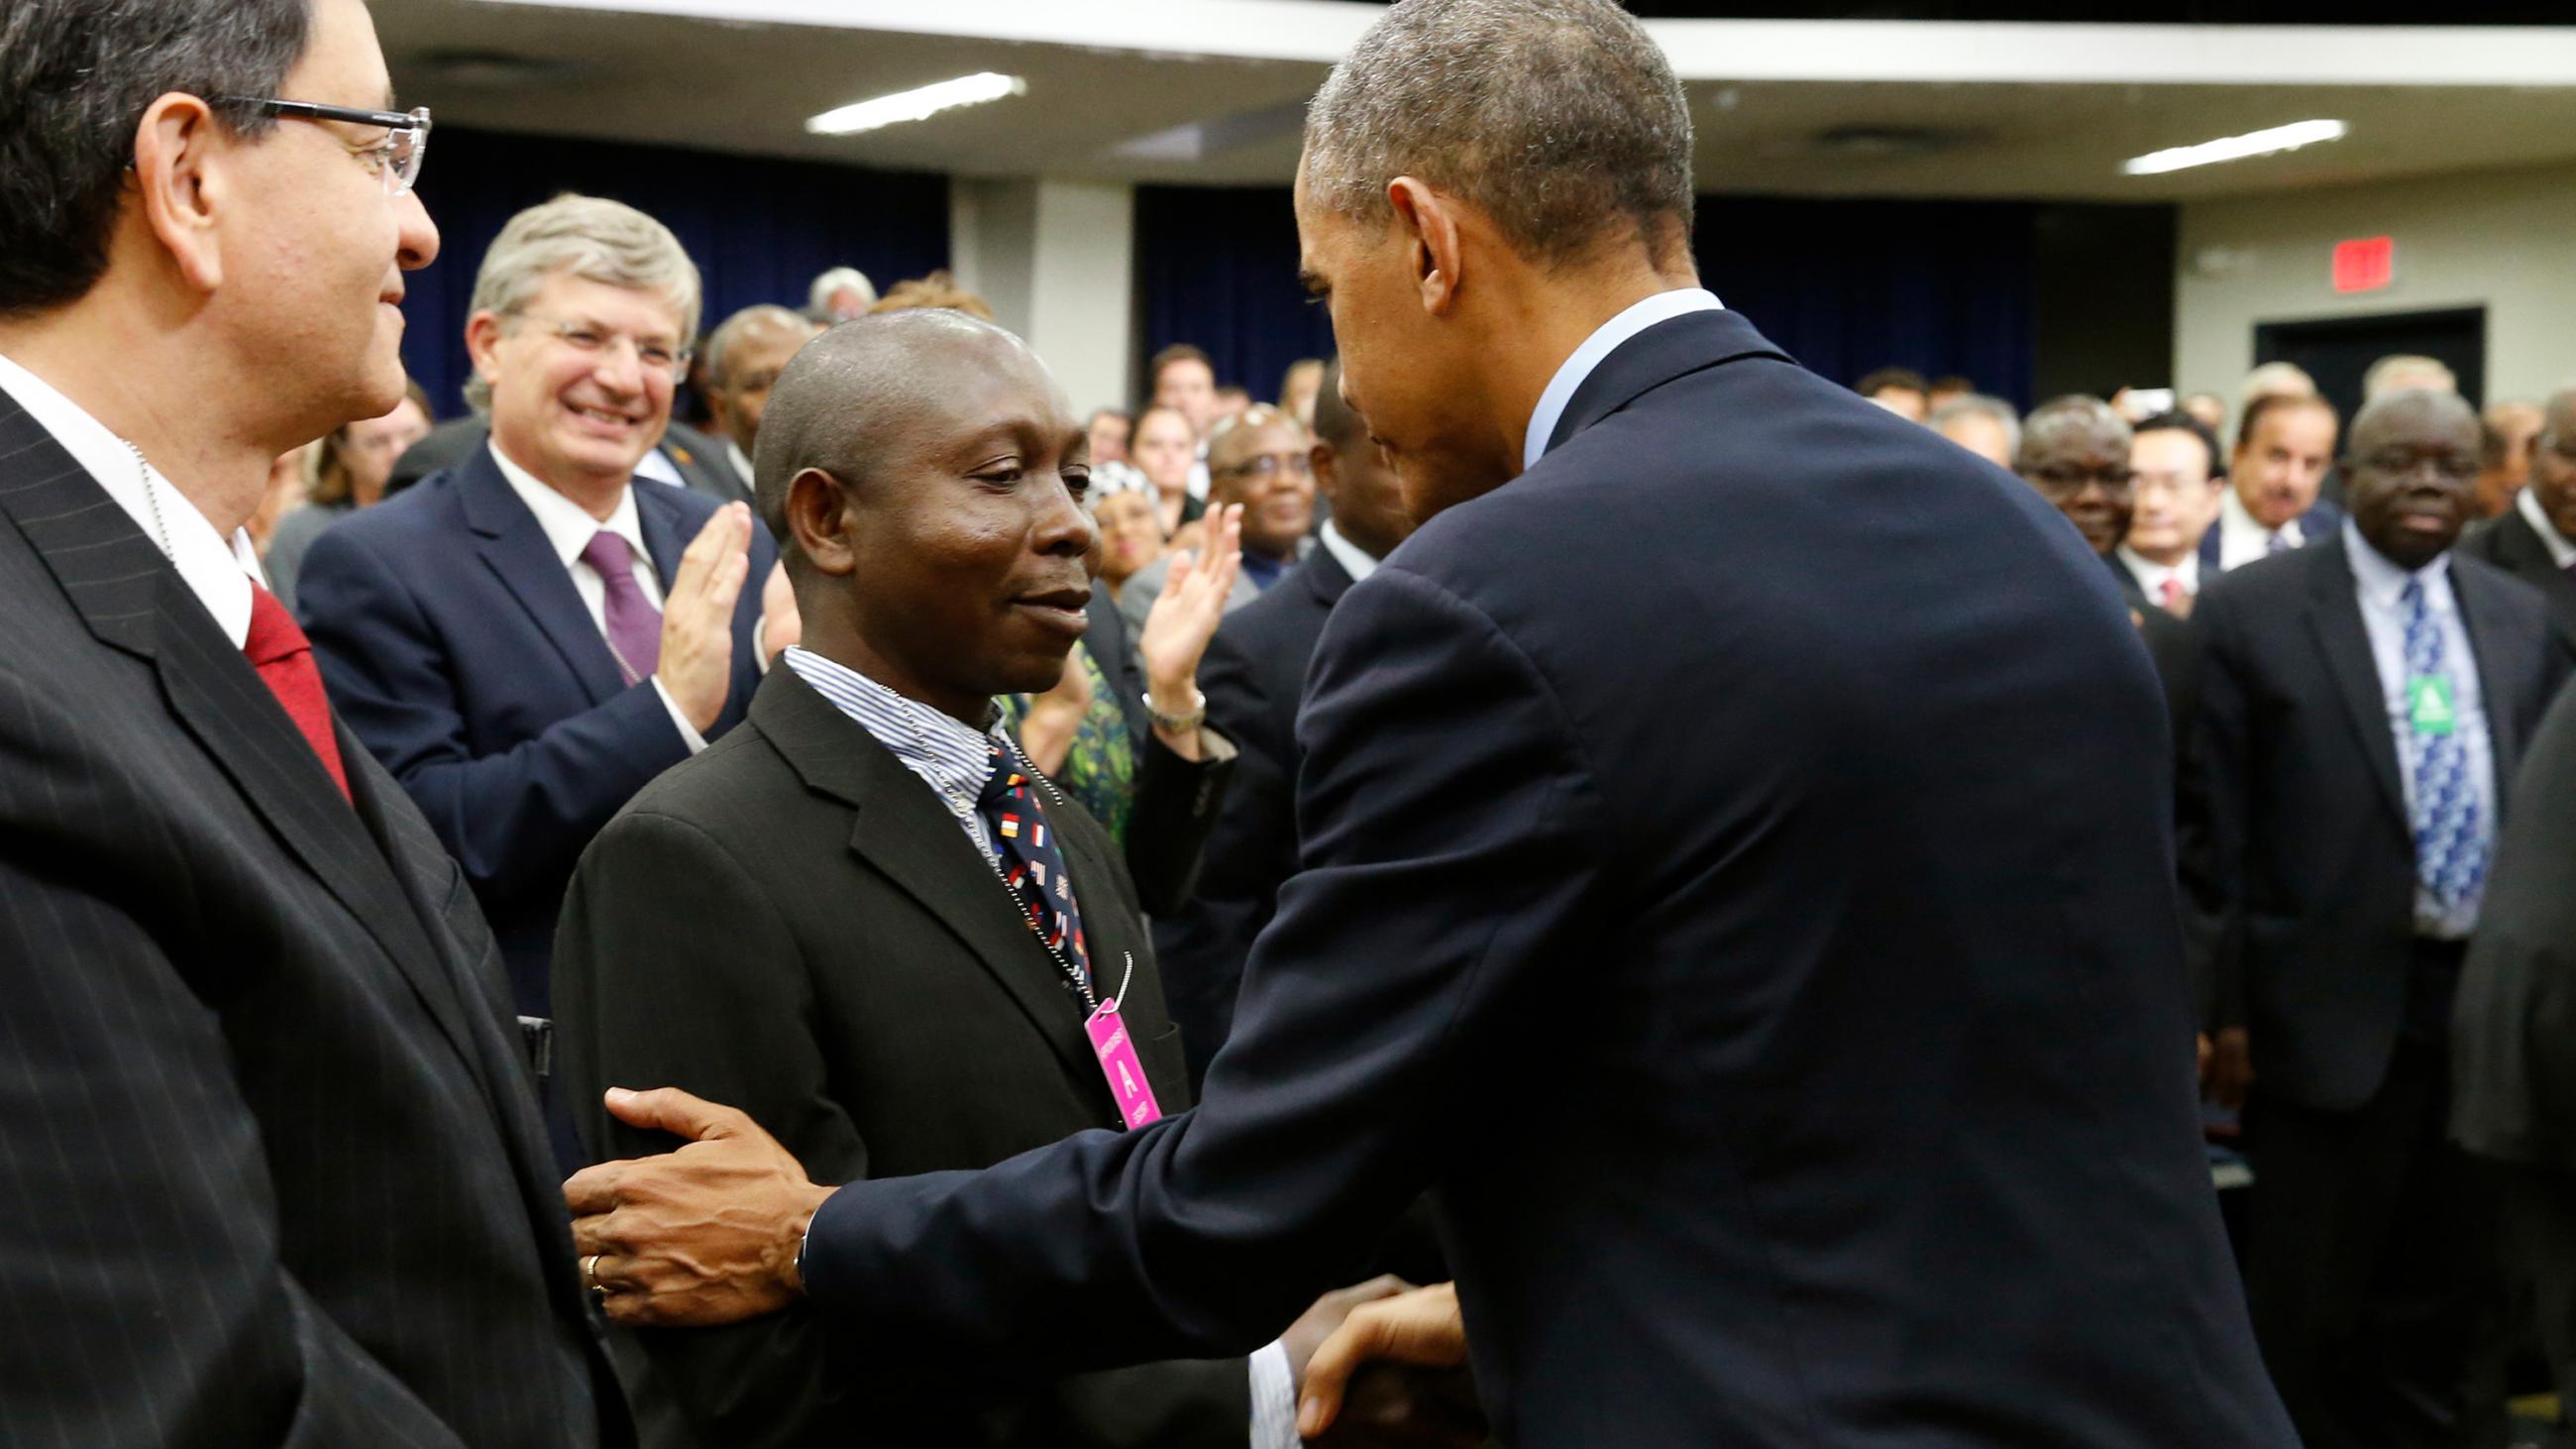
[[1737, 883], [455, 646], [2315, 526]]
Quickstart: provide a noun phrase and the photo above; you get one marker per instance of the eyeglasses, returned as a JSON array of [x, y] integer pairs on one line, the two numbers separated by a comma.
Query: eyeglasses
[[1271, 465], [653, 352], [2061, 479], [395, 159]]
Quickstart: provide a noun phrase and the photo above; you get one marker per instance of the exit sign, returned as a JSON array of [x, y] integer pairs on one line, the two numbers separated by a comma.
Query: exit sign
[[2365, 265]]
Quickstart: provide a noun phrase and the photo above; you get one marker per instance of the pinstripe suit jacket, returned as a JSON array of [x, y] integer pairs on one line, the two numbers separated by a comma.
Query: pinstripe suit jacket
[[273, 1172]]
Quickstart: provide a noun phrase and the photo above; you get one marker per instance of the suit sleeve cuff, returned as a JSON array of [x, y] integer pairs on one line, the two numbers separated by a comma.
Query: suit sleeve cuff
[[688, 732], [1274, 1399]]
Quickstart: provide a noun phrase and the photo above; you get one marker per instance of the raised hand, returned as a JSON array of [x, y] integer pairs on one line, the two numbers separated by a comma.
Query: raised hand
[[703, 1236], [697, 616]]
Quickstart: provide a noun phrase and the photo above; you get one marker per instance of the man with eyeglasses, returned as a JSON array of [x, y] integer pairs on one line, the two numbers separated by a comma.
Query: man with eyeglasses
[[275, 1173], [2175, 458], [1263, 462], [524, 640], [2365, 700]]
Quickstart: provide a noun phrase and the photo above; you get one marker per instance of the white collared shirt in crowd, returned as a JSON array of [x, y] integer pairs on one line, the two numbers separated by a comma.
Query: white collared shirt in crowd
[[2562, 550], [2377, 582], [569, 527], [1354, 560], [2241, 539], [2151, 575], [219, 572]]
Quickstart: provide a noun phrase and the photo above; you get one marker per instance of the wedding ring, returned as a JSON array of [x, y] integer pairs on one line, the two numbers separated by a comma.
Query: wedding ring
[[590, 1275]]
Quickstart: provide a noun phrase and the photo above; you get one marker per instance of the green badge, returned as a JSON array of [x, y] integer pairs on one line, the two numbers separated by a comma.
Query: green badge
[[2428, 704]]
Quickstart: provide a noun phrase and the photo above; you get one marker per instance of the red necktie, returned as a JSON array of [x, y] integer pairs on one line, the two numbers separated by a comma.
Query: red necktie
[[2172, 591], [284, 659]]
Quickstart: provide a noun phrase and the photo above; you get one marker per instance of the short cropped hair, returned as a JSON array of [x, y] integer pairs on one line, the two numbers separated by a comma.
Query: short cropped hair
[[1979, 404], [818, 297], [589, 237], [937, 290], [2182, 422], [2400, 371], [1887, 377], [76, 77], [2073, 409], [729, 334], [2279, 402], [1558, 119], [1177, 352]]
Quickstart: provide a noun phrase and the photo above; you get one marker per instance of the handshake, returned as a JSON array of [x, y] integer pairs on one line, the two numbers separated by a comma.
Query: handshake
[[711, 1234]]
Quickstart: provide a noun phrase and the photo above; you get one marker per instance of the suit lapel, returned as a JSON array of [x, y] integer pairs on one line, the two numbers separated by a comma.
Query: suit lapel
[[657, 517], [1672, 348], [905, 834], [133, 600], [514, 546], [2209, 555], [2334, 622], [1326, 579], [1115, 942]]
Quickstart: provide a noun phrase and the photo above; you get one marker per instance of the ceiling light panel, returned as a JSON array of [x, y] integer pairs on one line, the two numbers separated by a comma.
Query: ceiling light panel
[[2234, 148], [919, 103]]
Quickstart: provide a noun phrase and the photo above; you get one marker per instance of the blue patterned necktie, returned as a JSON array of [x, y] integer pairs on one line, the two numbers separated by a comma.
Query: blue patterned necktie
[[2450, 838], [1030, 862]]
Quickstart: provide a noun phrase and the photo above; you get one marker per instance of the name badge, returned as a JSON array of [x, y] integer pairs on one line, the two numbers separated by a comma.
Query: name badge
[[2429, 708], [1119, 1066]]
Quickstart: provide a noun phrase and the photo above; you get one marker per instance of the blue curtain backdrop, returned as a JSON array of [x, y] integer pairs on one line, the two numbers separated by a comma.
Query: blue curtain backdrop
[[1845, 286], [759, 230]]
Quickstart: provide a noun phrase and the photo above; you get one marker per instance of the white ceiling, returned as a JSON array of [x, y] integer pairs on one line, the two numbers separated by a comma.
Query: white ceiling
[[1210, 90]]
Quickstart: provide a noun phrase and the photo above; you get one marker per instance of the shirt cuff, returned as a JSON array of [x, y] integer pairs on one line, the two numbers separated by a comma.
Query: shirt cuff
[[688, 732], [1274, 1399]]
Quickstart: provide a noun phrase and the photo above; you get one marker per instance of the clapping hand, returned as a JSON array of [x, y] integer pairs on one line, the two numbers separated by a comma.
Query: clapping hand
[[696, 667]]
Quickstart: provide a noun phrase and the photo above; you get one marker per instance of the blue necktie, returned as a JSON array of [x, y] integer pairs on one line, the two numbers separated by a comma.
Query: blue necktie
[[1031, 864], [2450, 838]]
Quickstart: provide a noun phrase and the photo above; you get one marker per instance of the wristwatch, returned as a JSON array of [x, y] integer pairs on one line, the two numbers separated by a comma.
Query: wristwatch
[[1179, 724]]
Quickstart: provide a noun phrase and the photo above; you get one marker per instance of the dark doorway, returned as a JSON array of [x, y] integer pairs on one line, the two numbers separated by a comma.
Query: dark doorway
[[2336, 352]]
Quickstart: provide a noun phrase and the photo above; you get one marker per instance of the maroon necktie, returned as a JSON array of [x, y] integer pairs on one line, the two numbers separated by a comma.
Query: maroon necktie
[[632, 624], [284, 659]]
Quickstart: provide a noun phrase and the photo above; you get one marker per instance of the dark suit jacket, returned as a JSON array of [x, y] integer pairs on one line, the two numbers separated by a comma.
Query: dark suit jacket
[[2313, 840], [793, 923], [1177, 800], [1252, 674], [2318, 524], [2513, 1056], [1737, 880], [274, 1169], [2510, 543], [456, 647], [2174, 649], [700, 459]]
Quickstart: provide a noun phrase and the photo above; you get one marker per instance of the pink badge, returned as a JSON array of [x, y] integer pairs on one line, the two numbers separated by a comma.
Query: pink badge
[[1118, 1064]]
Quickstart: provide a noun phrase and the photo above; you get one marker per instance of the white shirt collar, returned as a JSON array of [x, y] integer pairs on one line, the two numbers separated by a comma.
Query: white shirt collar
[[2151, 575], [568, 525], [1605, 339], [1354, 559], [2239, 520], [2382, 580], [2562, 552], [741, 461], [219, 572]]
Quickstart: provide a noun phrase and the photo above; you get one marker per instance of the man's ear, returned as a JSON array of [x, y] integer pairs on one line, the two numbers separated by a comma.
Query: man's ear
[[482, 341], [818, 517], [1428, 224], [1327, 466], [181, 183]]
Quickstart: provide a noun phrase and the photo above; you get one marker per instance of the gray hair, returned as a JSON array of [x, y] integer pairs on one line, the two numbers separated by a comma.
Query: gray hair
[[1558, 119], [589, 237], [2057, 415], [758, 317], [2404, 371], [2275, 379], [819, 296], [1977, 404], [76, 77]]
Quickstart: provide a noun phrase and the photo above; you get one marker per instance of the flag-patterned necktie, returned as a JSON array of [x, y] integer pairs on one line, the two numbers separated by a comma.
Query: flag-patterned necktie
[[284, 659], [1031, 863], [632, 624], [2450, 838]]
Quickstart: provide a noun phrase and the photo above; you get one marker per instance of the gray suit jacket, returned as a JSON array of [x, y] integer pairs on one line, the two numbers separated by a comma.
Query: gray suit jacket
[[274, 1171]]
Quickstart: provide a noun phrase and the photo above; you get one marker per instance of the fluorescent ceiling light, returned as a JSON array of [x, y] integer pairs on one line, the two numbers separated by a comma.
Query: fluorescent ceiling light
[[2235, 148], [917, 104]]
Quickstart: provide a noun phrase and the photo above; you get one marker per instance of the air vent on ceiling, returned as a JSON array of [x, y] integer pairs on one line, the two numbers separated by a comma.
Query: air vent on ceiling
[[492, 69], [1875, 142]]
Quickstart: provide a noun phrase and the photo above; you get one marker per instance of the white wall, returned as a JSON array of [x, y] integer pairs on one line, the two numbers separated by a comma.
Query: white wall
[[2504, 240], [1055, 260]]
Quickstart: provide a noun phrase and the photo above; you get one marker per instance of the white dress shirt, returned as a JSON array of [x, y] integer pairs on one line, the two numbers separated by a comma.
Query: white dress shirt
[[2151, 575], [569, 528], [954, 758], [1605, 339], [2241, 539], [2562, 551], [219, 572], [1355, 560], [2377, 583], [741, 461]]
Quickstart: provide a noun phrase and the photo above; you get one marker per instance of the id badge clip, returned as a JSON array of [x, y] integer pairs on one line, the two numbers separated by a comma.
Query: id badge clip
[[1119, 1066]]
